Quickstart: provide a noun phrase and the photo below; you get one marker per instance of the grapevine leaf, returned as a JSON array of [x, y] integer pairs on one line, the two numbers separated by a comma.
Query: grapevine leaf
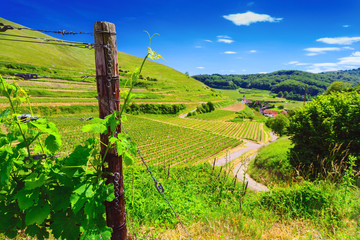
[[119, 147], [128, 158], [32, 181], [65, 226], [40, 232], [53, 143], [4, 114], [77, 202], [95, 128], [26, 198], [37, 214]]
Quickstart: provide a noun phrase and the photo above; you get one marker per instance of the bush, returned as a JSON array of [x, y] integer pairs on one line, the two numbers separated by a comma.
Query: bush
[[329, 122]]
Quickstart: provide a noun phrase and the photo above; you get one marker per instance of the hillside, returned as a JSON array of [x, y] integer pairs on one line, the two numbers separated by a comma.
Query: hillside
[[70, 63], [290, 81]]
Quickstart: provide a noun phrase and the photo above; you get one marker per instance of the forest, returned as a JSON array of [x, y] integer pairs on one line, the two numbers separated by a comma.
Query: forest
[[285, 83]]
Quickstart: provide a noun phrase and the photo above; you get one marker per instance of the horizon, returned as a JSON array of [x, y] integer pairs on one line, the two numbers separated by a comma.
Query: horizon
[[249, 37]]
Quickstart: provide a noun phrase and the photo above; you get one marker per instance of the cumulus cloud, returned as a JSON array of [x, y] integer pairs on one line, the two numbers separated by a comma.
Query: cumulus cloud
[[339, 40], [249, 18], [208, 41], [346, 26], [229, 52], [252, 51], [200, 67]]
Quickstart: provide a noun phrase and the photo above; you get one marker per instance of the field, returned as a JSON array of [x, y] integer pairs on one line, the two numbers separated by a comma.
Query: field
[[261, 95]]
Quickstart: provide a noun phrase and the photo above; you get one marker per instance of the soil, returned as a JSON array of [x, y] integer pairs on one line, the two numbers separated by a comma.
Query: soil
[[235, 107]]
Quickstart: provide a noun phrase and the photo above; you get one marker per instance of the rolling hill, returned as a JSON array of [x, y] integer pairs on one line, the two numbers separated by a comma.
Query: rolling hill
[[160, 83]]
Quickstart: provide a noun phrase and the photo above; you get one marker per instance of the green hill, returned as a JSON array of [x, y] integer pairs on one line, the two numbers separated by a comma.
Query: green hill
[[288, 83], [160, 83]]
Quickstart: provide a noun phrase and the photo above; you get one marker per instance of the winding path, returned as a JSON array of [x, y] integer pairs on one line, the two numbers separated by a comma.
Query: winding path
[[240, 169]]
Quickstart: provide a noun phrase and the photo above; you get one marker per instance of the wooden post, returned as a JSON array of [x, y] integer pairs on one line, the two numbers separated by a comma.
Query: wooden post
[[107, 80]]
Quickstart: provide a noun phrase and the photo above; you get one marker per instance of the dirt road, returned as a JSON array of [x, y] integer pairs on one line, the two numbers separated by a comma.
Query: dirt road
[[240, 169]]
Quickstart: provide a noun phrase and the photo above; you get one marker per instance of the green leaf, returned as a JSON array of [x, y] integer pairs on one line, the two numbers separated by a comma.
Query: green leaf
[[128, 159], [65, 226], [37, 214], [4, 114], [32, 181], [53, 143], [95, 128], [27, 198]]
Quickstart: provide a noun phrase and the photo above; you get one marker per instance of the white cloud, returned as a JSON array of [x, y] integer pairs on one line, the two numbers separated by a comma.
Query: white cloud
[[252, 51], [262, 72], [200, 67], [317, 51], [349, 62], [339, 40], [249, 18], [223, 36], [322, 50], [225, 40], [353, 60], [297, 63], [346, 26], [208, 41], [229, 52]]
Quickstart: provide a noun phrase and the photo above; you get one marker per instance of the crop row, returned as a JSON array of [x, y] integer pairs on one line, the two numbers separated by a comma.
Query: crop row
[[247, 129]]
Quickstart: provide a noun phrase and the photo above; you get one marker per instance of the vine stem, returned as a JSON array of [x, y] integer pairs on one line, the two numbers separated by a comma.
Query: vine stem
[[16, 119]]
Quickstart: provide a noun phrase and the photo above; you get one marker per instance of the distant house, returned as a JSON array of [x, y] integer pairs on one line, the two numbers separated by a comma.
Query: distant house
[[273, 113], [246, 101]]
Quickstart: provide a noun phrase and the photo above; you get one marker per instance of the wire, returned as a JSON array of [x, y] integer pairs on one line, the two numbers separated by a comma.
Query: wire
[[158, 186], [63, 32], [87, 45], [44, 39]]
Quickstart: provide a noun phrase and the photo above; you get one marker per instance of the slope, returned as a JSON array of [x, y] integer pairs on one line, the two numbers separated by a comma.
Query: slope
[[59, 61]]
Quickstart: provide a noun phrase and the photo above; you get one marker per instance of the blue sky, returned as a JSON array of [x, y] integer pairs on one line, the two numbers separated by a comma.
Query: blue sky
[[213, 36]]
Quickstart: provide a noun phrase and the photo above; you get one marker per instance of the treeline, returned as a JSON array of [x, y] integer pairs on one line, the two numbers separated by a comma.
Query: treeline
[[154, 108], [291, 81]]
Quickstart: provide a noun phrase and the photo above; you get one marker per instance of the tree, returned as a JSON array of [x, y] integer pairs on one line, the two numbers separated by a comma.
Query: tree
[[279, 124], [338, 86], [327, 122]]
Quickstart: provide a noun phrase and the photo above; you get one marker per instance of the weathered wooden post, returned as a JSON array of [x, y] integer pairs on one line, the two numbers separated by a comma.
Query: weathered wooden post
[[107, 80]]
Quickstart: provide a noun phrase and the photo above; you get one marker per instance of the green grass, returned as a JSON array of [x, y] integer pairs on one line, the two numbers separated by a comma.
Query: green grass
[[218, 115], [271, 165]]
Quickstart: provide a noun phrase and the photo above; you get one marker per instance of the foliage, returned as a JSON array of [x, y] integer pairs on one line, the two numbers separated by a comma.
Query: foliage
[[328, 122], [338, 86], [246, 113], [306, 199], [289, 84], [155, 108], [279, 124], [203, 108]]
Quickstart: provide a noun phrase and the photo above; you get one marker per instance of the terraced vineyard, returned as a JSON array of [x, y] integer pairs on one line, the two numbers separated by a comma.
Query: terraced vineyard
[[159, 143], [245, 130], [163, 143]]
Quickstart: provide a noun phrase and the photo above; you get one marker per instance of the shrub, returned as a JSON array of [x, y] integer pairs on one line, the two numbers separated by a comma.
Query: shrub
[[328, 122]]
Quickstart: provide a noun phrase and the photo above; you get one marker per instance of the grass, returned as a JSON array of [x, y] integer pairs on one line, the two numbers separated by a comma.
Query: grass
[[217, 115], [271, 166]]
